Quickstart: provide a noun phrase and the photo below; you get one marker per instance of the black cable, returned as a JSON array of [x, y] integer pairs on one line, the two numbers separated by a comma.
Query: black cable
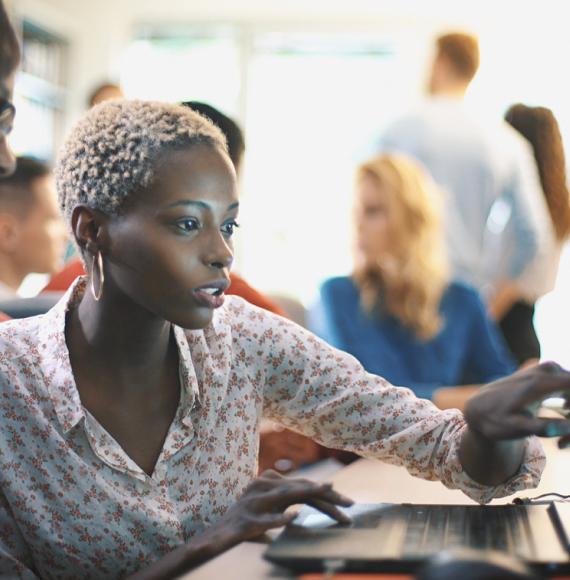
[[530, 500]]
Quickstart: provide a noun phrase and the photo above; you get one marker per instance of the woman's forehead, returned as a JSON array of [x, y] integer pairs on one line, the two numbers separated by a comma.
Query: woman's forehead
[[199, 173], [369, 189]]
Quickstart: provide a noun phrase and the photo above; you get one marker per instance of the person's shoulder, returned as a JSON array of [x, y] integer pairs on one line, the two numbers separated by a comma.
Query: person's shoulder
[[409, 118], [339, 286], [18, 338], [507, 137], [338, 282], [14, 331], [462, 294]]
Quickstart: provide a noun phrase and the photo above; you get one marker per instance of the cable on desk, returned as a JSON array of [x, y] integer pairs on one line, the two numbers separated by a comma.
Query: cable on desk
[[541, 498]]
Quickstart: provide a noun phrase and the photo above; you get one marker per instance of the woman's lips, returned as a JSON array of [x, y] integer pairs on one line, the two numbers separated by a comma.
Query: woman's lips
[[209, 300], [211, 294]]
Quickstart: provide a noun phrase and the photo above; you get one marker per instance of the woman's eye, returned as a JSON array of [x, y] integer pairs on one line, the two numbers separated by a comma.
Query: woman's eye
[[188, 224], [375, 210], [229, 227]]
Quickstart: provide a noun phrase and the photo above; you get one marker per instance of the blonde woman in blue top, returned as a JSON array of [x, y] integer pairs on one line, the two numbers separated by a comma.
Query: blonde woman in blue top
[[399, 313]]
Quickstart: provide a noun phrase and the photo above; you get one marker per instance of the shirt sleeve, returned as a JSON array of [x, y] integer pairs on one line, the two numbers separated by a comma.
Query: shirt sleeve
[[312, 388], [400, 136], [15, 558]]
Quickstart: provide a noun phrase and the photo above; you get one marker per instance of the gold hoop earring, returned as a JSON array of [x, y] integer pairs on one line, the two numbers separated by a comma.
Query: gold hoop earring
[[97, 295]]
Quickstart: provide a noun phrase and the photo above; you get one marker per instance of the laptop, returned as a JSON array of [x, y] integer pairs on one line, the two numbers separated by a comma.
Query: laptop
[[401, 537]]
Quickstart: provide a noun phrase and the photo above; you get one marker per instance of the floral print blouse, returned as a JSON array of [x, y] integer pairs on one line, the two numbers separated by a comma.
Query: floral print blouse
[[73, 504]]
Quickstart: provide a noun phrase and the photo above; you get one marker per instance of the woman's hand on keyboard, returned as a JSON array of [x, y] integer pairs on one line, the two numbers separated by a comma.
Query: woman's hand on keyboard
[[265, 500]]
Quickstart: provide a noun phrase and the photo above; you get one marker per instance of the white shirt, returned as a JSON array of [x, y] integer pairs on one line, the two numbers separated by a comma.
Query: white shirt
[[478, 162]]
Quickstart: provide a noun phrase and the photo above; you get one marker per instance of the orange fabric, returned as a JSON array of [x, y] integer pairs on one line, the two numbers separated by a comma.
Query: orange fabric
[[4, 317], [62, 280], [239, 287]]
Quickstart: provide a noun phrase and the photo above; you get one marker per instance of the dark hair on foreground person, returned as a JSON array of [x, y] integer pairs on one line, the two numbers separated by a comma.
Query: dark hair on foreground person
[[129, 424], [9, 60], [9, 45]]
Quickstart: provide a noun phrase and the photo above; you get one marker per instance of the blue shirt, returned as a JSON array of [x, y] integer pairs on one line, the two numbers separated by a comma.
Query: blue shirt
[[468, 344]]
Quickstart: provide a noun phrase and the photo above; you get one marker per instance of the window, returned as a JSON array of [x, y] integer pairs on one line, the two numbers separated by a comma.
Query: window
[[197, 65], [40, 93]]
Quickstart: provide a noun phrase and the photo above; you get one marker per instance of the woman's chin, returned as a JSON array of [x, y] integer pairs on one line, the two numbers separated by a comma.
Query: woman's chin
[[197, 321]]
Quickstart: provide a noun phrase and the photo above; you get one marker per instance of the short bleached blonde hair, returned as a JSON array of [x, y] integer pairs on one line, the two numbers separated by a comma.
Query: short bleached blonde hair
[[411, 285], [113, 150]]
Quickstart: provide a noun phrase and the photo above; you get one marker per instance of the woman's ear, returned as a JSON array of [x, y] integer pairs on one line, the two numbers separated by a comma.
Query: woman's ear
[[10, 229], [89, 228]]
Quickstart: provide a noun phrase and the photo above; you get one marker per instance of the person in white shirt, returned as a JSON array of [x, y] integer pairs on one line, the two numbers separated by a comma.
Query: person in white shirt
[[486, 169]]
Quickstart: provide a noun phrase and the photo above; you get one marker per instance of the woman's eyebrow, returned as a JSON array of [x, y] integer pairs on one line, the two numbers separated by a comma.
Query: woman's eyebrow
[[201, 204]]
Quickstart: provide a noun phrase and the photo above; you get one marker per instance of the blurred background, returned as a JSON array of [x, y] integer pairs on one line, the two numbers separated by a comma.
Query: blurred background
[[311, 83]]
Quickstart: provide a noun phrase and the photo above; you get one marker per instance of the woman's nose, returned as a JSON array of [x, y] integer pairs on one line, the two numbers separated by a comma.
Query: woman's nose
[[221, 254]]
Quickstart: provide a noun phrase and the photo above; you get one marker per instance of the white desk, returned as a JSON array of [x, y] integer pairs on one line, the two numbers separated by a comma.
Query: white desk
[[373, 481]]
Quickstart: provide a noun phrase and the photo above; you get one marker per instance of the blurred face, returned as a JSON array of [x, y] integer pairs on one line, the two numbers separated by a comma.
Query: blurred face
[[42, 234], [172, 249], [7, 159], [373, 216]]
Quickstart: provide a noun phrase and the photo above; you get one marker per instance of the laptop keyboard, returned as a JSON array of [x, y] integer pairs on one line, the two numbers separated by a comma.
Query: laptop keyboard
[[433, 528]]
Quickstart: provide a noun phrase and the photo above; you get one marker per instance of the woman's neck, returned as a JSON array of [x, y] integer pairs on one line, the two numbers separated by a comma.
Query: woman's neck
[[120, 338]]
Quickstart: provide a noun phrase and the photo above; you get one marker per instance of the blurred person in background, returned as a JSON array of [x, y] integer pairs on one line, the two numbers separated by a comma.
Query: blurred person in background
[[486, 169], [104, 92], [539, 127], [399, 313], [9, 61], [32, 233]]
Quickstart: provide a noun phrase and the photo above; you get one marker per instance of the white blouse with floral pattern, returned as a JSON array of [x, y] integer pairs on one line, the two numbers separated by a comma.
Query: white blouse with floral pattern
[[73, 504]]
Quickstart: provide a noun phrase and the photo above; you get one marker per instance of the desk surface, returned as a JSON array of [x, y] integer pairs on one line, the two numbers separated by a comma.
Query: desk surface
[[370, 481]]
